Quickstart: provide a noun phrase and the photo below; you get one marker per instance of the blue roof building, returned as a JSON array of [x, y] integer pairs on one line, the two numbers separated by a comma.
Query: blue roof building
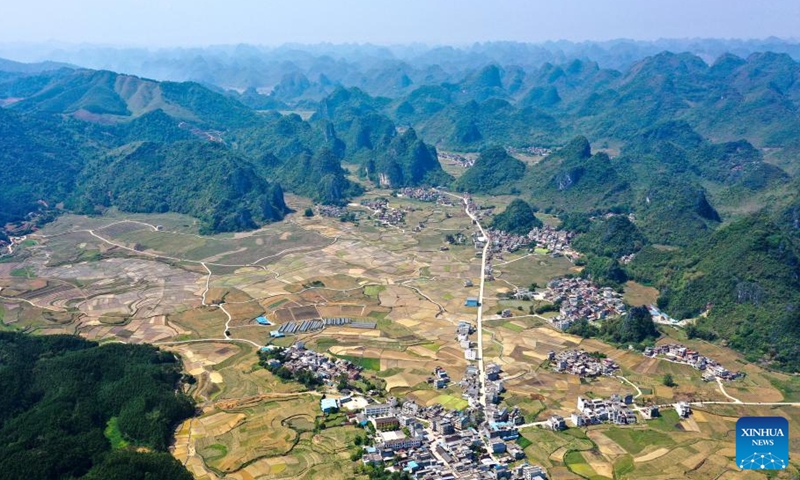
[[329, 405], [471, 302], [263, 321], [276, 334]]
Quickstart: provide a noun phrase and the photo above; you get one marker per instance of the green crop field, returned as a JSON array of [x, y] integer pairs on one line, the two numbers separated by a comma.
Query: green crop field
[[636, 440], [367, 363]]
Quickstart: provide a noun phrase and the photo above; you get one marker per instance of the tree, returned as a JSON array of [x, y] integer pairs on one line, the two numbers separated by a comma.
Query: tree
[[308, 212], [634, 328], [668, 381], [517, 218]]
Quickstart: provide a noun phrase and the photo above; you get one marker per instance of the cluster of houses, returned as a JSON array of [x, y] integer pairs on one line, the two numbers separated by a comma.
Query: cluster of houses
[[297, 358], [675, 352], [425, 195], [440, 378], [557, 242], [538, 151], [459, 159], [479, 212], [383, 213], [616, 409], [581, 363], [331, 211], [581, 299], [435, 443], [463, 332], [492, 385]]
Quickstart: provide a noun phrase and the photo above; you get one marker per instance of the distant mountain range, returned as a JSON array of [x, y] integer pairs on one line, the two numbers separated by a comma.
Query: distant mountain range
[[378, 70]]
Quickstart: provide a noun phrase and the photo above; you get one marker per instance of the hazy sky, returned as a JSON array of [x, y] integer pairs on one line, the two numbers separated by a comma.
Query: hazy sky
[[272, 22]]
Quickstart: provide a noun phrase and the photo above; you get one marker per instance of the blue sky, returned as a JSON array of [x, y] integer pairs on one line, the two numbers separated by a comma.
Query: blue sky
[[271, 22]]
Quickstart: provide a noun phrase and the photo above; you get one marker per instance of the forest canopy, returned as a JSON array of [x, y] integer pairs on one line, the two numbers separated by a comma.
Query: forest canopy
[[61, 397]]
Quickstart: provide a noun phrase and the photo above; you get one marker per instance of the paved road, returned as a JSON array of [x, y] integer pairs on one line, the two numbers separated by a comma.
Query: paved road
[[481, 364]]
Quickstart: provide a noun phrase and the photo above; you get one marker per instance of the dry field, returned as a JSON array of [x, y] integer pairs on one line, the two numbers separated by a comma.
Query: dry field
[[131, 282]]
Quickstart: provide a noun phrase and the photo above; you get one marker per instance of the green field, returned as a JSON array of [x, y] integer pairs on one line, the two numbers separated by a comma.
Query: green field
[[636, 440], [524, 442], [451, 402], [373, 291], [367, 363], [26, 272], [577, 464]]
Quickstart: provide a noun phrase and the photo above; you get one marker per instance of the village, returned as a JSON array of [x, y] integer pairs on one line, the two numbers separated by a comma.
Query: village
[[425, 195], [677, 353], [460, 160], [537, 151], [333, 211], [475, 443], [383, 214], [297, 358], [556, 242], [579, 298], [582, 363]]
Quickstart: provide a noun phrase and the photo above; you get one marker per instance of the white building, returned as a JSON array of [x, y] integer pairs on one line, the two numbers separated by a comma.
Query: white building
[[377, 410]]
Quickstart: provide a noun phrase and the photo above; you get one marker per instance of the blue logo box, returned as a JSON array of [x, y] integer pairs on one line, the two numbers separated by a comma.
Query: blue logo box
[[762, 443]]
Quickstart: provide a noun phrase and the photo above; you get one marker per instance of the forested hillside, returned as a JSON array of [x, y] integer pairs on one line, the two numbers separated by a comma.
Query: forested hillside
[[65, 400], [202, 179], [88, 140]]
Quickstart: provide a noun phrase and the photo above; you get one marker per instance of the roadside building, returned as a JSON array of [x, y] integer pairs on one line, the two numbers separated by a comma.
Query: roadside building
[[329, 405]]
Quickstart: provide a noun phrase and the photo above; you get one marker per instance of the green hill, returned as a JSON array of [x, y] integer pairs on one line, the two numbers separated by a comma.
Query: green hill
[[319, 177], [406, 161], [518, 217], [613, 237], [494, 171], [111, 97], [572, 179], [40, 161], [205, 180]]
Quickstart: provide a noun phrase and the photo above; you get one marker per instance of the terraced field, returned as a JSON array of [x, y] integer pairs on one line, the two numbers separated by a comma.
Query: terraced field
[[152, 279]]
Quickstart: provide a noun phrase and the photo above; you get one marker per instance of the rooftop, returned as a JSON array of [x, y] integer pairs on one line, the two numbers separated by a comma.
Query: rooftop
[[392, 435]]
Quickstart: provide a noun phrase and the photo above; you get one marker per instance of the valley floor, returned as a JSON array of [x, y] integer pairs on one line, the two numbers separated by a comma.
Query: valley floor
[[152, 279]]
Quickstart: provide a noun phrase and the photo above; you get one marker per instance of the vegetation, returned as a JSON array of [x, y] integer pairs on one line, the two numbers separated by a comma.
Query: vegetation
[[613, 237], [745, 276], [406, 161], [272, 360], [62, 396], [650, 181], [494, 171], [636, 328], [207, 181], [517, 218]]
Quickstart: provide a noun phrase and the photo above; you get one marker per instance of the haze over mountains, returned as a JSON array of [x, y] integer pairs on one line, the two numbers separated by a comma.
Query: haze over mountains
[[366, 66], [698, 151]]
